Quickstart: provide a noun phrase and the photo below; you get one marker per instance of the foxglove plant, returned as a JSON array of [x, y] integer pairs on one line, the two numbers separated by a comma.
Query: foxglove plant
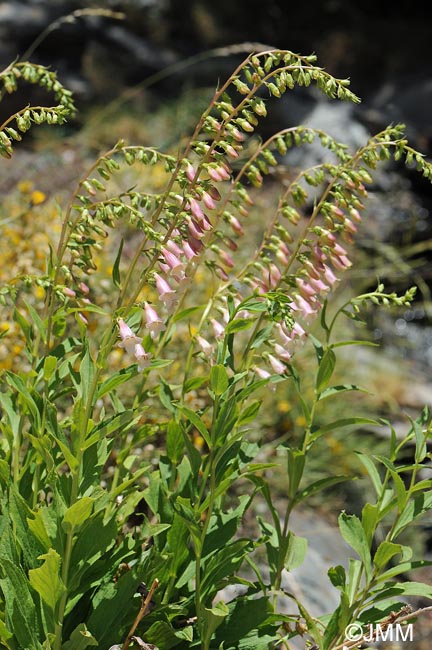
[[85, 516]]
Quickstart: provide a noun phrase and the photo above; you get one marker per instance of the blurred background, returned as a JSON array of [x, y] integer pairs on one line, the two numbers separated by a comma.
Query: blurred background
[[144, 70]]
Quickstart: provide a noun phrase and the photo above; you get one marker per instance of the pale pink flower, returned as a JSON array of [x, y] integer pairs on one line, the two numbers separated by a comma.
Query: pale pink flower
[[305, 306], [298, 330], [83, 287], [214, 174], [208, 201], [218, 329], [282, 353], [355, 215], [275, 275], [194, 228], [70, 293], [318, 285], [262, 374], [221, 273], [173, 247], [196, 209], [231, 151], [166, 293], [190, 172], [235, 225], [329, 275], [153, 322], [277, 366], [341, 262], [306, 290], [142, 357], [226, 258], [173, 261], [188, 250], [286, 337], [204, 345], [128, 339]]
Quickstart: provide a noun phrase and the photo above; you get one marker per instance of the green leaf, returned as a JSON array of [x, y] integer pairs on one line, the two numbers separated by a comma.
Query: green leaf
[[371, 469], [20, 606], [115, 380], [337, 576], [371, 516], [296, 462], [321, 484], [248, 626], [50, 364], [46, 579], [343, 388], [186, 312], [218, 379], [223, 564], [249, 414], [36, 320], [385, 552], [391, 589], [213, 618], [343, 422], [87, 371], [77, 514], [116, 266], [296, 551], [238, 324], [24, 325], [354, 575], [196, 421], [325, 370], [414, 509], [353, 533], [174, 442], [80, 639]]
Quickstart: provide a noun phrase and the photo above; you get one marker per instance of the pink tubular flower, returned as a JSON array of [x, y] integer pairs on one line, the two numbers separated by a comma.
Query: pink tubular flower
[[190, 172], [235, 225], [218, 329], [214, 174], [275, 275], [196, 209], [153, 322], [128, 338], [226, 258], [142, 357], [194, 228], [188, 250], [173, 247], [172, 260], [282, 353], [305, 306], [83, 287], [262, 374], [277, 366], [70, 293], [306, 290], [166, 294], [340, 262], [204, 345], [329, 275], [318, 285], [208, 201]]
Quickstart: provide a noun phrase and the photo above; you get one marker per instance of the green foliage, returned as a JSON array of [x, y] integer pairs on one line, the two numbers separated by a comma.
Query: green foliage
[[85, 518]]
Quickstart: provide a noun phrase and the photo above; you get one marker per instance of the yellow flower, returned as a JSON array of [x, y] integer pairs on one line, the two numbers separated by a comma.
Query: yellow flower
[[37, 197], [25, 187]]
